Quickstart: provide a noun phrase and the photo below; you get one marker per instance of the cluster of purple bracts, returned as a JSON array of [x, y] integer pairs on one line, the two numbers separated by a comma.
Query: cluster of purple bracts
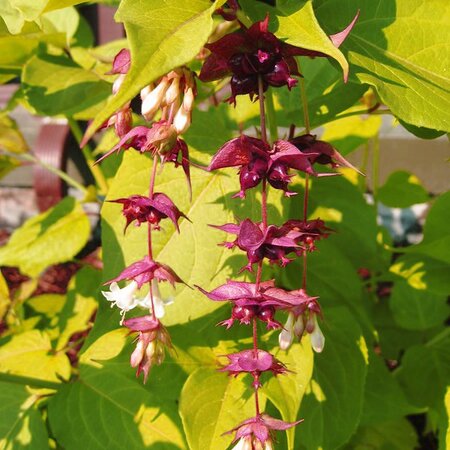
[[256, 59], [172, 96]]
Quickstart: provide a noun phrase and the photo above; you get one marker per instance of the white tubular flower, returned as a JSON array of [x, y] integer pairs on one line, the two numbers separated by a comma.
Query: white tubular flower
[[173, 92], [152, 101], [124, 298], [159, 302], [182, 120], [299, 327], [188, 99], [286, 336], [244, 443], [117, 83], [317, 337]]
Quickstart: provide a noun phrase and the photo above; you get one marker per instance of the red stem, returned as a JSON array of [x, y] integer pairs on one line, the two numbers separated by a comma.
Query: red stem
[[149, 233], [305, 218]]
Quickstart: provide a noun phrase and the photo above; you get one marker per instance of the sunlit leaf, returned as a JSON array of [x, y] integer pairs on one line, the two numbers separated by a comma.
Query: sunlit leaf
[[37, 244], [398, 47]]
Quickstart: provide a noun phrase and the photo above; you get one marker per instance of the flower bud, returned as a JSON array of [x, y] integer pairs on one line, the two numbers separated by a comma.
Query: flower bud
[[117, 83], [317, 337], [173, 92], [299, 327], [188, 99], [182, 120], [138, 354], [152, 101], [286, 336]]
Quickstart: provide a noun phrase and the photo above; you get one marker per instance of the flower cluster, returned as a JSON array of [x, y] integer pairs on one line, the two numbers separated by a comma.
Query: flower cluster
[[167, 107], [170, 100], [256, 59]]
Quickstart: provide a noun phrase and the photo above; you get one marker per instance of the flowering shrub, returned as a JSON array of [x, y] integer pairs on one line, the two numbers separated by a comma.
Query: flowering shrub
[[221, 168]]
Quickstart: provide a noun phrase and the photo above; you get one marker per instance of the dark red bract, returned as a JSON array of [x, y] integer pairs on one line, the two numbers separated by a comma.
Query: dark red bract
[[149, 210]]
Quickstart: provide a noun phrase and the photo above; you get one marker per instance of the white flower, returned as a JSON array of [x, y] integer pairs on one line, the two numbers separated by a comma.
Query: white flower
[[243, 444], [286, 336], [317, 337], [159, 302], [124, 298]]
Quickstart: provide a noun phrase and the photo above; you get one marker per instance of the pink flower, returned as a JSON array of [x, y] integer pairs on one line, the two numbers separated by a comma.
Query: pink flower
[[146, 270], [152, 340], [149, 210], [253, 362], [257, 432]]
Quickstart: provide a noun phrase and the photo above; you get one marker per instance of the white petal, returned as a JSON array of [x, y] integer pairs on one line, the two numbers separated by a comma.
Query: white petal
[[299, 327], [182, 120], [317, 338], [243, 444], [152, 101], [286, 336], [122, 297]]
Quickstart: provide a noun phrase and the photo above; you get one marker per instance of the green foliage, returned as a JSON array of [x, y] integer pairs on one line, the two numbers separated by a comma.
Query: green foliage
[[409, 74], [402, 189], [37, 244], [347, 395], [334, 400]]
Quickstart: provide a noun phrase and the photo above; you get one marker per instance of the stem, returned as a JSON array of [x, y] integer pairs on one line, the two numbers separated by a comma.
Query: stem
[[306, 120], [362, 180], [271, 116], [262, 113], [149, 233], [376, 168], [306, 195], [96, 171], [29, 157]]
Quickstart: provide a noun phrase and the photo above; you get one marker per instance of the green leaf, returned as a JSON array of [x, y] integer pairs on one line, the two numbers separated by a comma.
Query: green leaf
[[391, 435], [423, 273], [37, 243], [334, 400], [402, 189], [422, 132], [173, 33], [295, 23], [326, 92], [286, 392], [384, 400], [31, 354], [416, 309], [212, 403], [54, 85], [425, 371], [193, 254], [106, 409], [349, 133], [80, 304], [16, 12], [410, 74], [21, 426], [11, 138]]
